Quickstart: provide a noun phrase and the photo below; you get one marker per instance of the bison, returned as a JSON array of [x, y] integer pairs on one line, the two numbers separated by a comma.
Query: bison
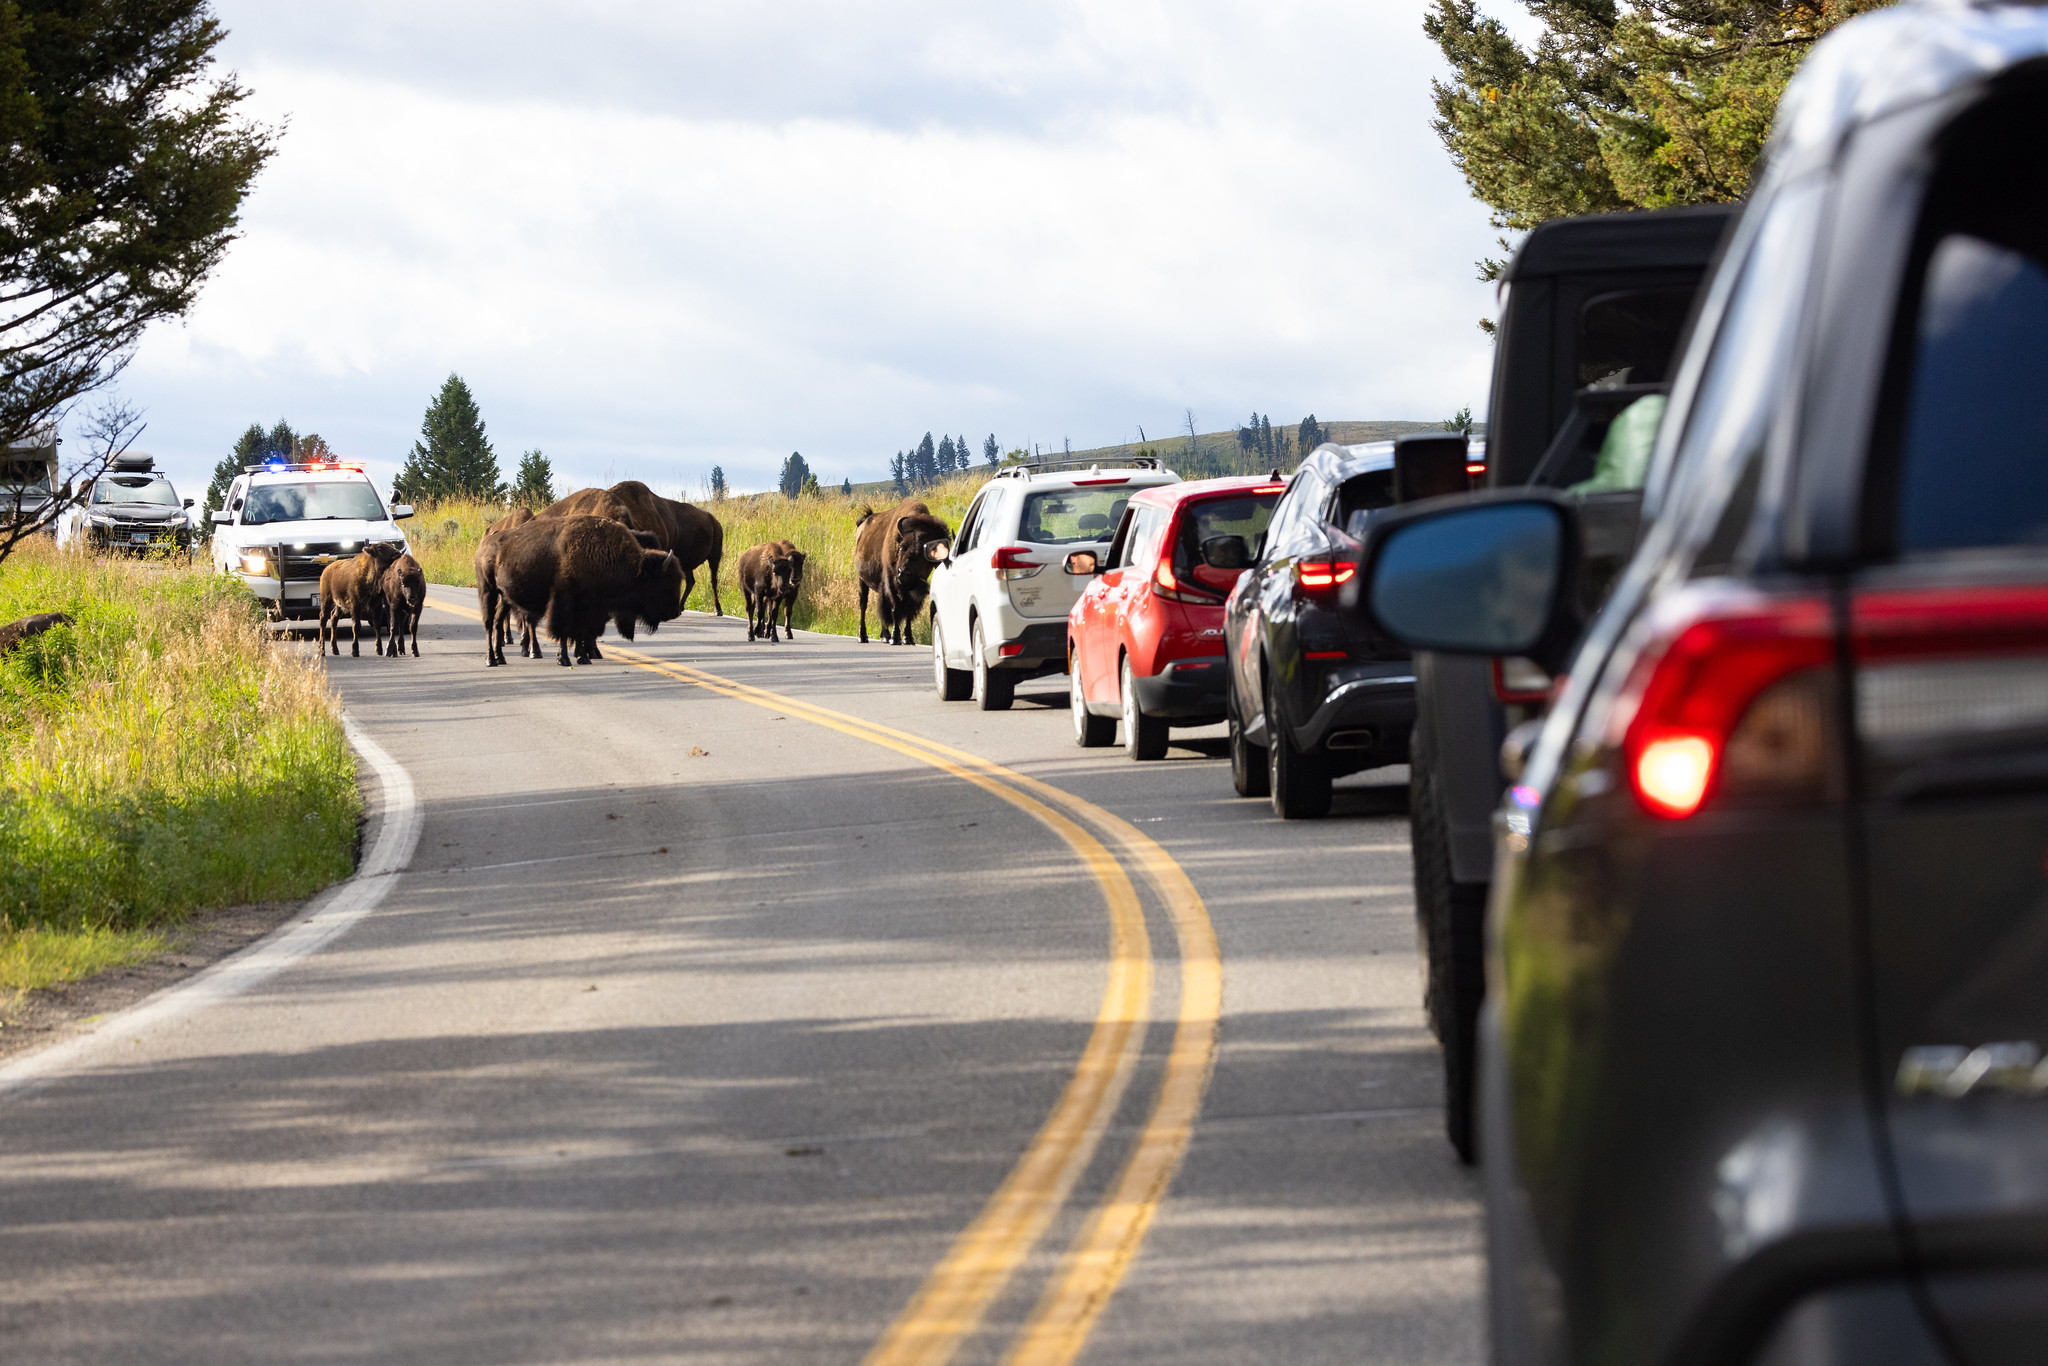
[[404, 591], [770, 575], [486, 559], [893, 552], [692, 533], [571, 574], [354, 585], [27, 628]]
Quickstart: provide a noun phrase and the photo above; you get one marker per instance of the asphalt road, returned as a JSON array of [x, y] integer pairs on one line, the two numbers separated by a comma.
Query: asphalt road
[[829, 1024]]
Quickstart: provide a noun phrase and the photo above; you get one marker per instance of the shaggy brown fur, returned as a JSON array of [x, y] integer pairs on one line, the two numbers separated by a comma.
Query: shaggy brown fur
[[15, 632], [404, 591], [484, 564], [893, 552], [354, 585], [694, 534], [571, 573], [770, 575]]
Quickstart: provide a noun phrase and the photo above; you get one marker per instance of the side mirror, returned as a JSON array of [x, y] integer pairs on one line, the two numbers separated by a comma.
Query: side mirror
[[222, 517], [1081, 562], [938, 552], [1226, 552], [400, 511], [1429, 465], [1490, 577], [188, 502]]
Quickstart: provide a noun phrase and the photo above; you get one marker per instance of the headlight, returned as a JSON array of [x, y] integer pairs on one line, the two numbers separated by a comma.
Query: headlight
[[255, 562], [99, 519]]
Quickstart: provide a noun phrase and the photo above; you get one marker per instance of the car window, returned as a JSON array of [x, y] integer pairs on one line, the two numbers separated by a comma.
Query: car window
[[1246, 515], [1141, 541], [970, 528], [1974, 456], [1628, 337], [1067, 516], [312, 502], [1298, 513], [133, 488], [1359, 496]]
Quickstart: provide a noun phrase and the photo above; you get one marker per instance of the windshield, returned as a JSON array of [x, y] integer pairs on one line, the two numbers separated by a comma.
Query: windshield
[[353, 500], [1244, 516], [1072, 515], [133, 488], [30, 476]]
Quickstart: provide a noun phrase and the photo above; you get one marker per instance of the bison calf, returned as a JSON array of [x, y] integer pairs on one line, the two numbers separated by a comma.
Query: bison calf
[[404, 590], [770, 575], [354, 585]]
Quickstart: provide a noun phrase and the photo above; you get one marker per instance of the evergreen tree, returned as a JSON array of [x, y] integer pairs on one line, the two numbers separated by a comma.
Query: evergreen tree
[[1266, 434], [810, 488], [925, 461], [454, 459], [899, 470], [794, 472], [991, 451], [252, 447], [846, 487], [534, 485], [1460, 421], [717, 483], [1312, 434], [945, 455]]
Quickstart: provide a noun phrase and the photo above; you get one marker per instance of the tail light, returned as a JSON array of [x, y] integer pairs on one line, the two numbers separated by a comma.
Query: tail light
[[1319, 580], [1167, 585], [1010, 563], [1728, 687]]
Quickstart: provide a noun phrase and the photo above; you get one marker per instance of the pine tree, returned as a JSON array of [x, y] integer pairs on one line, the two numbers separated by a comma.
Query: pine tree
[[1312, 434], [945, 455], [899, 470], [454, 459], [534, 485], [1266, 435], [846, 487], [991, 450], [794, 472], [252, 447], [717, 483], [925, 461]]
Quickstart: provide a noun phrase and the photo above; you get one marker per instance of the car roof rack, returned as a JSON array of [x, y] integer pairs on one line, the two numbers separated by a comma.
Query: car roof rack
[[1024, 469]]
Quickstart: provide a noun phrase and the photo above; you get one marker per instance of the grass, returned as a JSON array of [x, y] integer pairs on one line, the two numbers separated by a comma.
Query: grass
[[159, 756], [822, 528]]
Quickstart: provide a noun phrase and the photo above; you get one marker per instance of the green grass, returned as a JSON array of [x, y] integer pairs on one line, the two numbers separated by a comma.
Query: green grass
[[158, 756], [822, 528]]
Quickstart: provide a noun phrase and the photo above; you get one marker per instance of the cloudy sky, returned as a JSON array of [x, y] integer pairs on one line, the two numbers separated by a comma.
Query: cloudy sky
[[655, 238]]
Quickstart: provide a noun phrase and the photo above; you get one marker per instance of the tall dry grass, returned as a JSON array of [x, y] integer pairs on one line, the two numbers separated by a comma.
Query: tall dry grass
[[159, 755], [444, 537]]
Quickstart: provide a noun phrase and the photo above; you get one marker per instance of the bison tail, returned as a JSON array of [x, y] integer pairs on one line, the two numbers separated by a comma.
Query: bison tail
[[866, 515]]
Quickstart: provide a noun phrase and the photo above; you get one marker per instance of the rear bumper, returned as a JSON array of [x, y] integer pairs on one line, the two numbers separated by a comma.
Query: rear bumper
[[1367, 715], [1038, 648], [1188, 692]]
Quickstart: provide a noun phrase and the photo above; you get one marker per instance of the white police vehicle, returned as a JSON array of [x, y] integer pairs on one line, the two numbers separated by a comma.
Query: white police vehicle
[[285, 522]]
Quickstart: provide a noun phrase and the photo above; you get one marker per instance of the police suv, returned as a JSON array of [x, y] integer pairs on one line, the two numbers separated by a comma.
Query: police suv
[[286, 522]]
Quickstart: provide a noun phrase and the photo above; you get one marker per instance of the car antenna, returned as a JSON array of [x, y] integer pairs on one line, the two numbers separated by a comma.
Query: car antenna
[[1275, 474]]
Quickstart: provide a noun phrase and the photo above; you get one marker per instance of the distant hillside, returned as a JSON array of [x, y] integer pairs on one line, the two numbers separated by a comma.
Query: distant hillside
[[1216, 453]]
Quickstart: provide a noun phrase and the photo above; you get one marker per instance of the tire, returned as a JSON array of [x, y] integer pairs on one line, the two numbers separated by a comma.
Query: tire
[[1450, 923], [952, 685], [994, 690], [1090, 731], [1144, 736], [1247, 760], [1300, 782]]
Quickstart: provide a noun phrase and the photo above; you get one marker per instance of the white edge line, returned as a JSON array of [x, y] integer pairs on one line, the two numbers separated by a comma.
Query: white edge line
[[394, 833]]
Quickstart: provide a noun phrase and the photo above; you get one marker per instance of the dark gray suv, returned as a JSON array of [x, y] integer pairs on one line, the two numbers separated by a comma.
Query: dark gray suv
[[1761, 1060]]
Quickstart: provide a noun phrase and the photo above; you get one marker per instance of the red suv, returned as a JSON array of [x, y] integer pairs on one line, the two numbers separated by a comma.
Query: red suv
[[1145, 642]]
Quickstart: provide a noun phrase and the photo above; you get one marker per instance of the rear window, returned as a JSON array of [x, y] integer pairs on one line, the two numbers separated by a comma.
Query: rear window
[[1629, 337], [1974, 462], [1245, 515], [1065, 516], [352, 500]]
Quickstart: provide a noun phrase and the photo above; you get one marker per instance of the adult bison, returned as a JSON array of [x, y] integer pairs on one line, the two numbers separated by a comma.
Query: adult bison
[[770, 576], [692, 533], [571, 574], [894, 552], [484, 565]]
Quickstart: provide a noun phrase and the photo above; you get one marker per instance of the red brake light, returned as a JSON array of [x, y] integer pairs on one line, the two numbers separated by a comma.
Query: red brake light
[[1694, 682], [1475, 469], [1118, 479], [1013, 557], [1321, 576], [1167, 584], [1270, 488]]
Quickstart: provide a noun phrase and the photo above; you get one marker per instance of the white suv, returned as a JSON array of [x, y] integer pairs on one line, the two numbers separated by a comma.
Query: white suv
[[284, 523], [999, 604]]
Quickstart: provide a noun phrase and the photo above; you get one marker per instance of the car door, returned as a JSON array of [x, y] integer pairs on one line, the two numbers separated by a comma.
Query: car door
[[954, 579], [1106, 598], [1951, 708], [1296, 533]]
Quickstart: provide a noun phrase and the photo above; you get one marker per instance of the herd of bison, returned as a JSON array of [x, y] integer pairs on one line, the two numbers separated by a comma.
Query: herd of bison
[[627, 556]]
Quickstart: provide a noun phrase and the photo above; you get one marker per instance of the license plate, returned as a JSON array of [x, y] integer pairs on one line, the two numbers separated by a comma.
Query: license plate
[[139, 537]]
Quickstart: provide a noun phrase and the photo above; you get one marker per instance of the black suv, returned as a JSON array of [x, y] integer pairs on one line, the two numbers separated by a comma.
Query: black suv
[[1314, 693], [1762, 1052], [1593, 313], [133, 508]]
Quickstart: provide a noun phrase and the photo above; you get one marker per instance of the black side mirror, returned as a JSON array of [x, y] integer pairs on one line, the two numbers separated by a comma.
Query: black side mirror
[[188, 502], [1429, 465], [1494, 575], [1226, 552], [1081, 562]]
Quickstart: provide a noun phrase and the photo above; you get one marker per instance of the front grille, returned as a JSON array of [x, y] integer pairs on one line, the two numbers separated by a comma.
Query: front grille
[[306, 562]]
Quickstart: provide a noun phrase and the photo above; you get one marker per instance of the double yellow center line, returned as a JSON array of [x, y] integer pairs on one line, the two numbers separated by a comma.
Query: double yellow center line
[[956, 1296]]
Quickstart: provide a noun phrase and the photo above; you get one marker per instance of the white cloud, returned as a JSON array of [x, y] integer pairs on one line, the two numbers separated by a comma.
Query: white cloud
[[654, 240]]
